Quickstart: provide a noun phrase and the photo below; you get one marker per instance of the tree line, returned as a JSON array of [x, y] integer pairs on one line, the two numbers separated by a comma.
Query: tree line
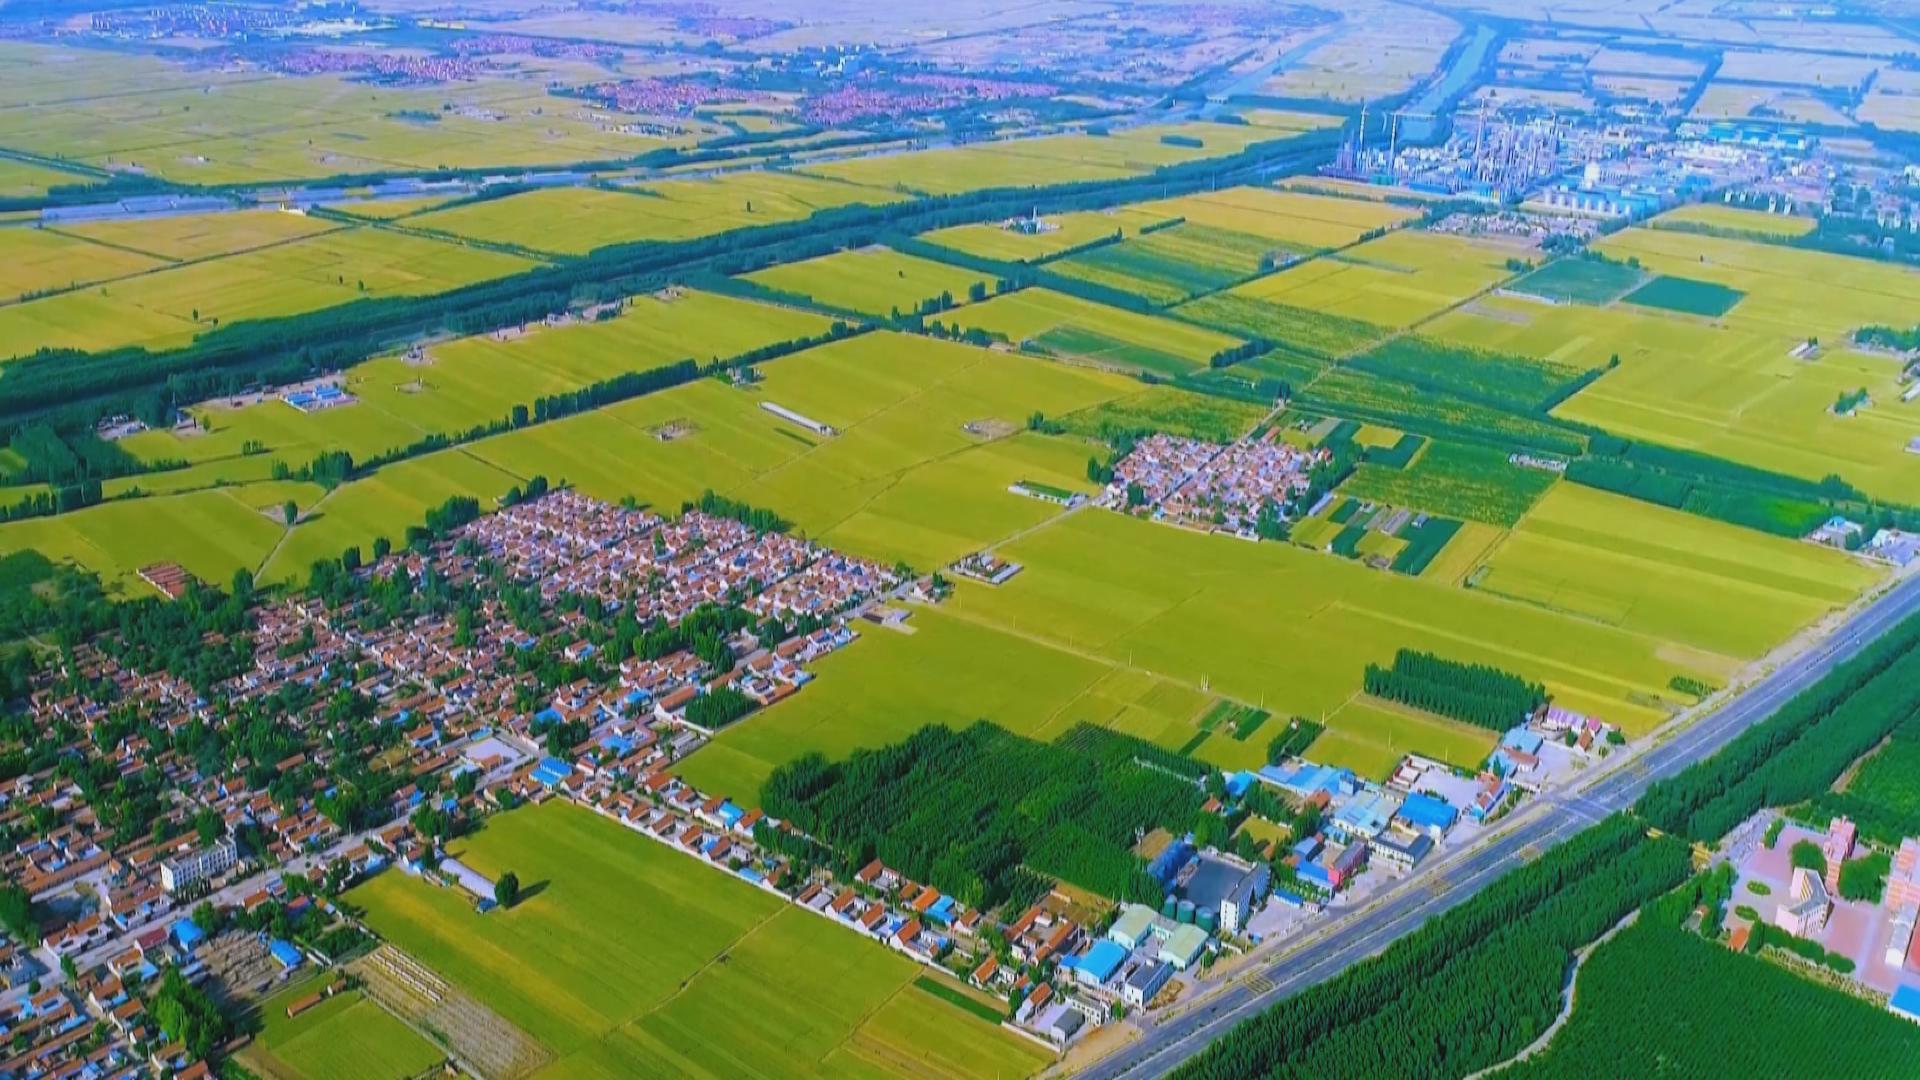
[[1470, 987], [1477, 694], [1802, 748]]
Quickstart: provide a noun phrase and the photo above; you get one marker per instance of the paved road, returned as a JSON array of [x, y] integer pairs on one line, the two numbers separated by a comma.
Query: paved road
[[1542, 823]]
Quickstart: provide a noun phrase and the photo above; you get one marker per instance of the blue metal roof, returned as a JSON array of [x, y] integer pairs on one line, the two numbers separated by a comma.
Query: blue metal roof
[[1427, 812], [1103, 959], [1906, 1000]]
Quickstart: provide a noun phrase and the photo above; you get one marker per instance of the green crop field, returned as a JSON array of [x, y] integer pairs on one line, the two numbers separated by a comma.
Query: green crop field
[[1270, 625], [1169, 411], [1458, 480], [20, 180], [1290, 630], [191, 124], [346, 1037], [1066, 231], [384, 504], [1315, 332], [1170, 265], [886, 685], [1289, 220], [458, 385], [37, 260], [170, 306], [478, 380], [1669, 574], [1584, 281], [1686, 295], [1048, 159], [1735, 219], [871, 281], [210, 533], [906, 478], [1731, 389], [1083, 330], [1371, 737], [720, 979], [574, 221], [199, 236], [918, 471], [1392, 282]]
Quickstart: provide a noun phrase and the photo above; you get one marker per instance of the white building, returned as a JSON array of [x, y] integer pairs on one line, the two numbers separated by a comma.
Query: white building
[[194, 867]]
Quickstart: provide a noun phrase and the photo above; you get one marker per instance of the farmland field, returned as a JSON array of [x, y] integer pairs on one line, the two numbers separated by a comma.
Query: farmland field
[[1686, 295], [1291, 220], [1070, 327], [170, 306], [1731, 390], [1653, 570], [346, 1037], [1170, 265], [886, 685], [1518, 384], [1791, 292], [478, 380], [1393, 282], [1380, 57], [1291, 630], [210, 533], [1048, 159], [1370, 737], [1458, 480], [119, 109], [794, 994], [384, 504], [36, 260], [872, 281], [21, 180], [1585, 281], [997, 241], [1735, 219], [1463, 553], [1313, 331], [904, 479], [574, 221], [1165, 409], [198, 236]]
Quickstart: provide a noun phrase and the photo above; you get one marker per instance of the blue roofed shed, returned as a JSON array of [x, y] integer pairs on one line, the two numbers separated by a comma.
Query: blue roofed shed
[[1099, 964], [942, 910], [1428, 814], [187, 934], [1238, 783], [1365, 815], [551, 771], [286, 952], [1523, 740], [1906, 1003]]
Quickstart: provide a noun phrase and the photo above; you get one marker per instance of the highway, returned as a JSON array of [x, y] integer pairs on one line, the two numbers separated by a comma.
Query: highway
[[1539, 824]]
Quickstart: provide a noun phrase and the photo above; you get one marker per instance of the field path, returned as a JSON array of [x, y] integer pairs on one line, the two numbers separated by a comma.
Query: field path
[[1566, 1002]]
